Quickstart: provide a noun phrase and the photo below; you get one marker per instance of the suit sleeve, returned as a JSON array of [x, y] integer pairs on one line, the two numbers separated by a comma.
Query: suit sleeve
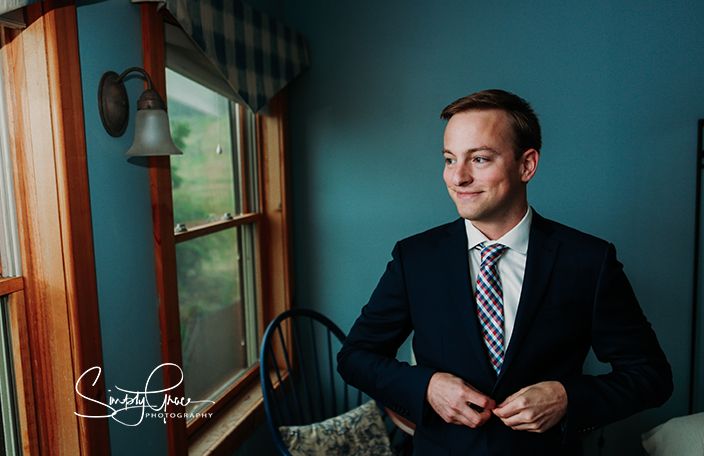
[[367, 359], [641, 377]]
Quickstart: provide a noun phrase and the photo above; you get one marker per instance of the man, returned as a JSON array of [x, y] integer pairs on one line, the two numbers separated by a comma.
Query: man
[[504, 306]]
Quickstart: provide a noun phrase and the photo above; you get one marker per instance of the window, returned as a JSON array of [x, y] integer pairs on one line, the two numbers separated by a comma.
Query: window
[[222, 244], [216, 212], [9, 436], [10, 439]]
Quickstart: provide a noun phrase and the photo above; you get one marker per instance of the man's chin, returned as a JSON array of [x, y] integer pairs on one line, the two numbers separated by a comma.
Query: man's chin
[[469, 213]]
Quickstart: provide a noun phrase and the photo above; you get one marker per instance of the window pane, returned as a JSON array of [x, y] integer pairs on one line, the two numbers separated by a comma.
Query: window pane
[[212, 313], [203, 178], [9, 435], [11, 266], [9, 235], [217, 175]]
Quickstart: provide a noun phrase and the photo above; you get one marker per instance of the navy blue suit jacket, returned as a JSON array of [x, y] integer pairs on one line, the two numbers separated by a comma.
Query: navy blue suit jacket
[[575, 296]]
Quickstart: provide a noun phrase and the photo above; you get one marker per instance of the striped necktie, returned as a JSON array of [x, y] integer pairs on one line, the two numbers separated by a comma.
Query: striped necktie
[[490, 306]]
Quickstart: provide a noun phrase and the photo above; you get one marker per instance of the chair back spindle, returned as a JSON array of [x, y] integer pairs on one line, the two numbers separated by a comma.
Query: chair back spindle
[[298, 372]]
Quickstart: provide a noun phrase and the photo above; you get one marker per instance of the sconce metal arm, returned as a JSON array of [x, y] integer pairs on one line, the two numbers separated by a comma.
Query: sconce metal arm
[[141, 70], [113, 103]]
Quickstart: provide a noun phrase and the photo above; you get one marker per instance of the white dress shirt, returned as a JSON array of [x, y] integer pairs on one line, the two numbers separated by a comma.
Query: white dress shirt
[[511, 264]]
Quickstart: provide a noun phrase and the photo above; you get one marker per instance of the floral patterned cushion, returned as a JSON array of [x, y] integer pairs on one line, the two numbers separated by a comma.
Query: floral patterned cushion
[[360, 432]]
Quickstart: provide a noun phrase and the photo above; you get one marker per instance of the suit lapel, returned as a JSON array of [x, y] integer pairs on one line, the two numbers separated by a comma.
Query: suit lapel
[[454, 248], [542, 251]]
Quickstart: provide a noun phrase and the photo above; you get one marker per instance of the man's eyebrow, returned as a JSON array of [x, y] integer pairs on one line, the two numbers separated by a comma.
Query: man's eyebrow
[[474, 149]]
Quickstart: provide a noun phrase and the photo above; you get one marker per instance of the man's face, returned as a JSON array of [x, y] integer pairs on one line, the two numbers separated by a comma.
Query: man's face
[[483, 176]]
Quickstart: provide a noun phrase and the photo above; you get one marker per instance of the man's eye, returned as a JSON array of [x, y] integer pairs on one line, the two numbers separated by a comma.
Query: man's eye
[[480, 160], [449, 161]]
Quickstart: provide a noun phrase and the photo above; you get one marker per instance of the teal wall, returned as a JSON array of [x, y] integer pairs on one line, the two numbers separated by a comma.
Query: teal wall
[[619, 87], [110, 39]]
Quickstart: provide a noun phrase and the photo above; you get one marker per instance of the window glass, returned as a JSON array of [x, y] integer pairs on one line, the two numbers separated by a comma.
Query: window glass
[[212, 313], [213, 182], [11, 267], [8, 437], [203, 178]]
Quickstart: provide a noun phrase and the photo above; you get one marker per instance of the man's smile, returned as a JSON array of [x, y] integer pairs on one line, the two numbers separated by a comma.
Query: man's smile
[[465, 195]]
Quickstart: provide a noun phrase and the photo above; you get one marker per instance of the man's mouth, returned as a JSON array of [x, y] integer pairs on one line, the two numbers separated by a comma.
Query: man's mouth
[[464, 195]]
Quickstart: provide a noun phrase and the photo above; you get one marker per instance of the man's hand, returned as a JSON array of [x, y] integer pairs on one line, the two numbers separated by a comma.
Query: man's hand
[[535, 408], [457, 402]]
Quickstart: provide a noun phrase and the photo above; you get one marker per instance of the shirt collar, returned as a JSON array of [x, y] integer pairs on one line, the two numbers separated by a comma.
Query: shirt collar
[[516, 239]]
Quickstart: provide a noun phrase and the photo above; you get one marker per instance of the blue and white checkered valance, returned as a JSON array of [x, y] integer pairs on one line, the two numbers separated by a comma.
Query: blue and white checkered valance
[[256, 54]]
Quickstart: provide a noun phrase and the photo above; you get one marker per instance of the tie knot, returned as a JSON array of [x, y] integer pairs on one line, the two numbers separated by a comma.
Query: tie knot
[[491, 253]]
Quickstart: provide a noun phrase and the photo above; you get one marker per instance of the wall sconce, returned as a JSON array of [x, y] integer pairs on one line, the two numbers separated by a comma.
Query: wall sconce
[[152, 135]]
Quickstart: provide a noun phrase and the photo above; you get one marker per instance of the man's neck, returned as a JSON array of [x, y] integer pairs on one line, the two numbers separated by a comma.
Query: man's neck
[[495, 230]]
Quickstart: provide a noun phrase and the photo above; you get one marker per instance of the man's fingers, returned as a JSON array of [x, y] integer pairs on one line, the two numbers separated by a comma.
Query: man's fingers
[[536, 408], [470, 416], [475, 407], [511, 406], [464, 414], [457, 402], [477, 400]]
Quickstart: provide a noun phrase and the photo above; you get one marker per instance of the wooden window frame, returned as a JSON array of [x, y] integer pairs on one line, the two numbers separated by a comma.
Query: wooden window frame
[[241, 410], [54, 316]]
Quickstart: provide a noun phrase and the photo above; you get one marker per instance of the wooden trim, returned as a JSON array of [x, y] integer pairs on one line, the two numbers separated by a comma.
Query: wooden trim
[[27, 419], [225, 433], [277, 255], [245, 153], [76, 220], [11, 285], [251, 376], [47, 136], [230, 428], [153, 47], [214, 227], [275, 196]]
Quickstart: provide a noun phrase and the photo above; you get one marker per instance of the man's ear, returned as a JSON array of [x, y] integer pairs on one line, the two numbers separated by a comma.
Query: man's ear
[[529, 164]]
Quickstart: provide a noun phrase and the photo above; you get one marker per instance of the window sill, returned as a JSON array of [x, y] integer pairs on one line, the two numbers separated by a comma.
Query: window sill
[[231, 426]]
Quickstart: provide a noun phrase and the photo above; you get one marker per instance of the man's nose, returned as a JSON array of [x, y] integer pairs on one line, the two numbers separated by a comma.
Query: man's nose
[[462, 175]]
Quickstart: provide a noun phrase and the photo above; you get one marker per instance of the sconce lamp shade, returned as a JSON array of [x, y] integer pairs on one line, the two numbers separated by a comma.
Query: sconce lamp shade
[[152, 135]]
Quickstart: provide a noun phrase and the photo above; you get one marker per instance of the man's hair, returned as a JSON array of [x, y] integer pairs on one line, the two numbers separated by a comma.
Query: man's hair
[[522, 119]]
